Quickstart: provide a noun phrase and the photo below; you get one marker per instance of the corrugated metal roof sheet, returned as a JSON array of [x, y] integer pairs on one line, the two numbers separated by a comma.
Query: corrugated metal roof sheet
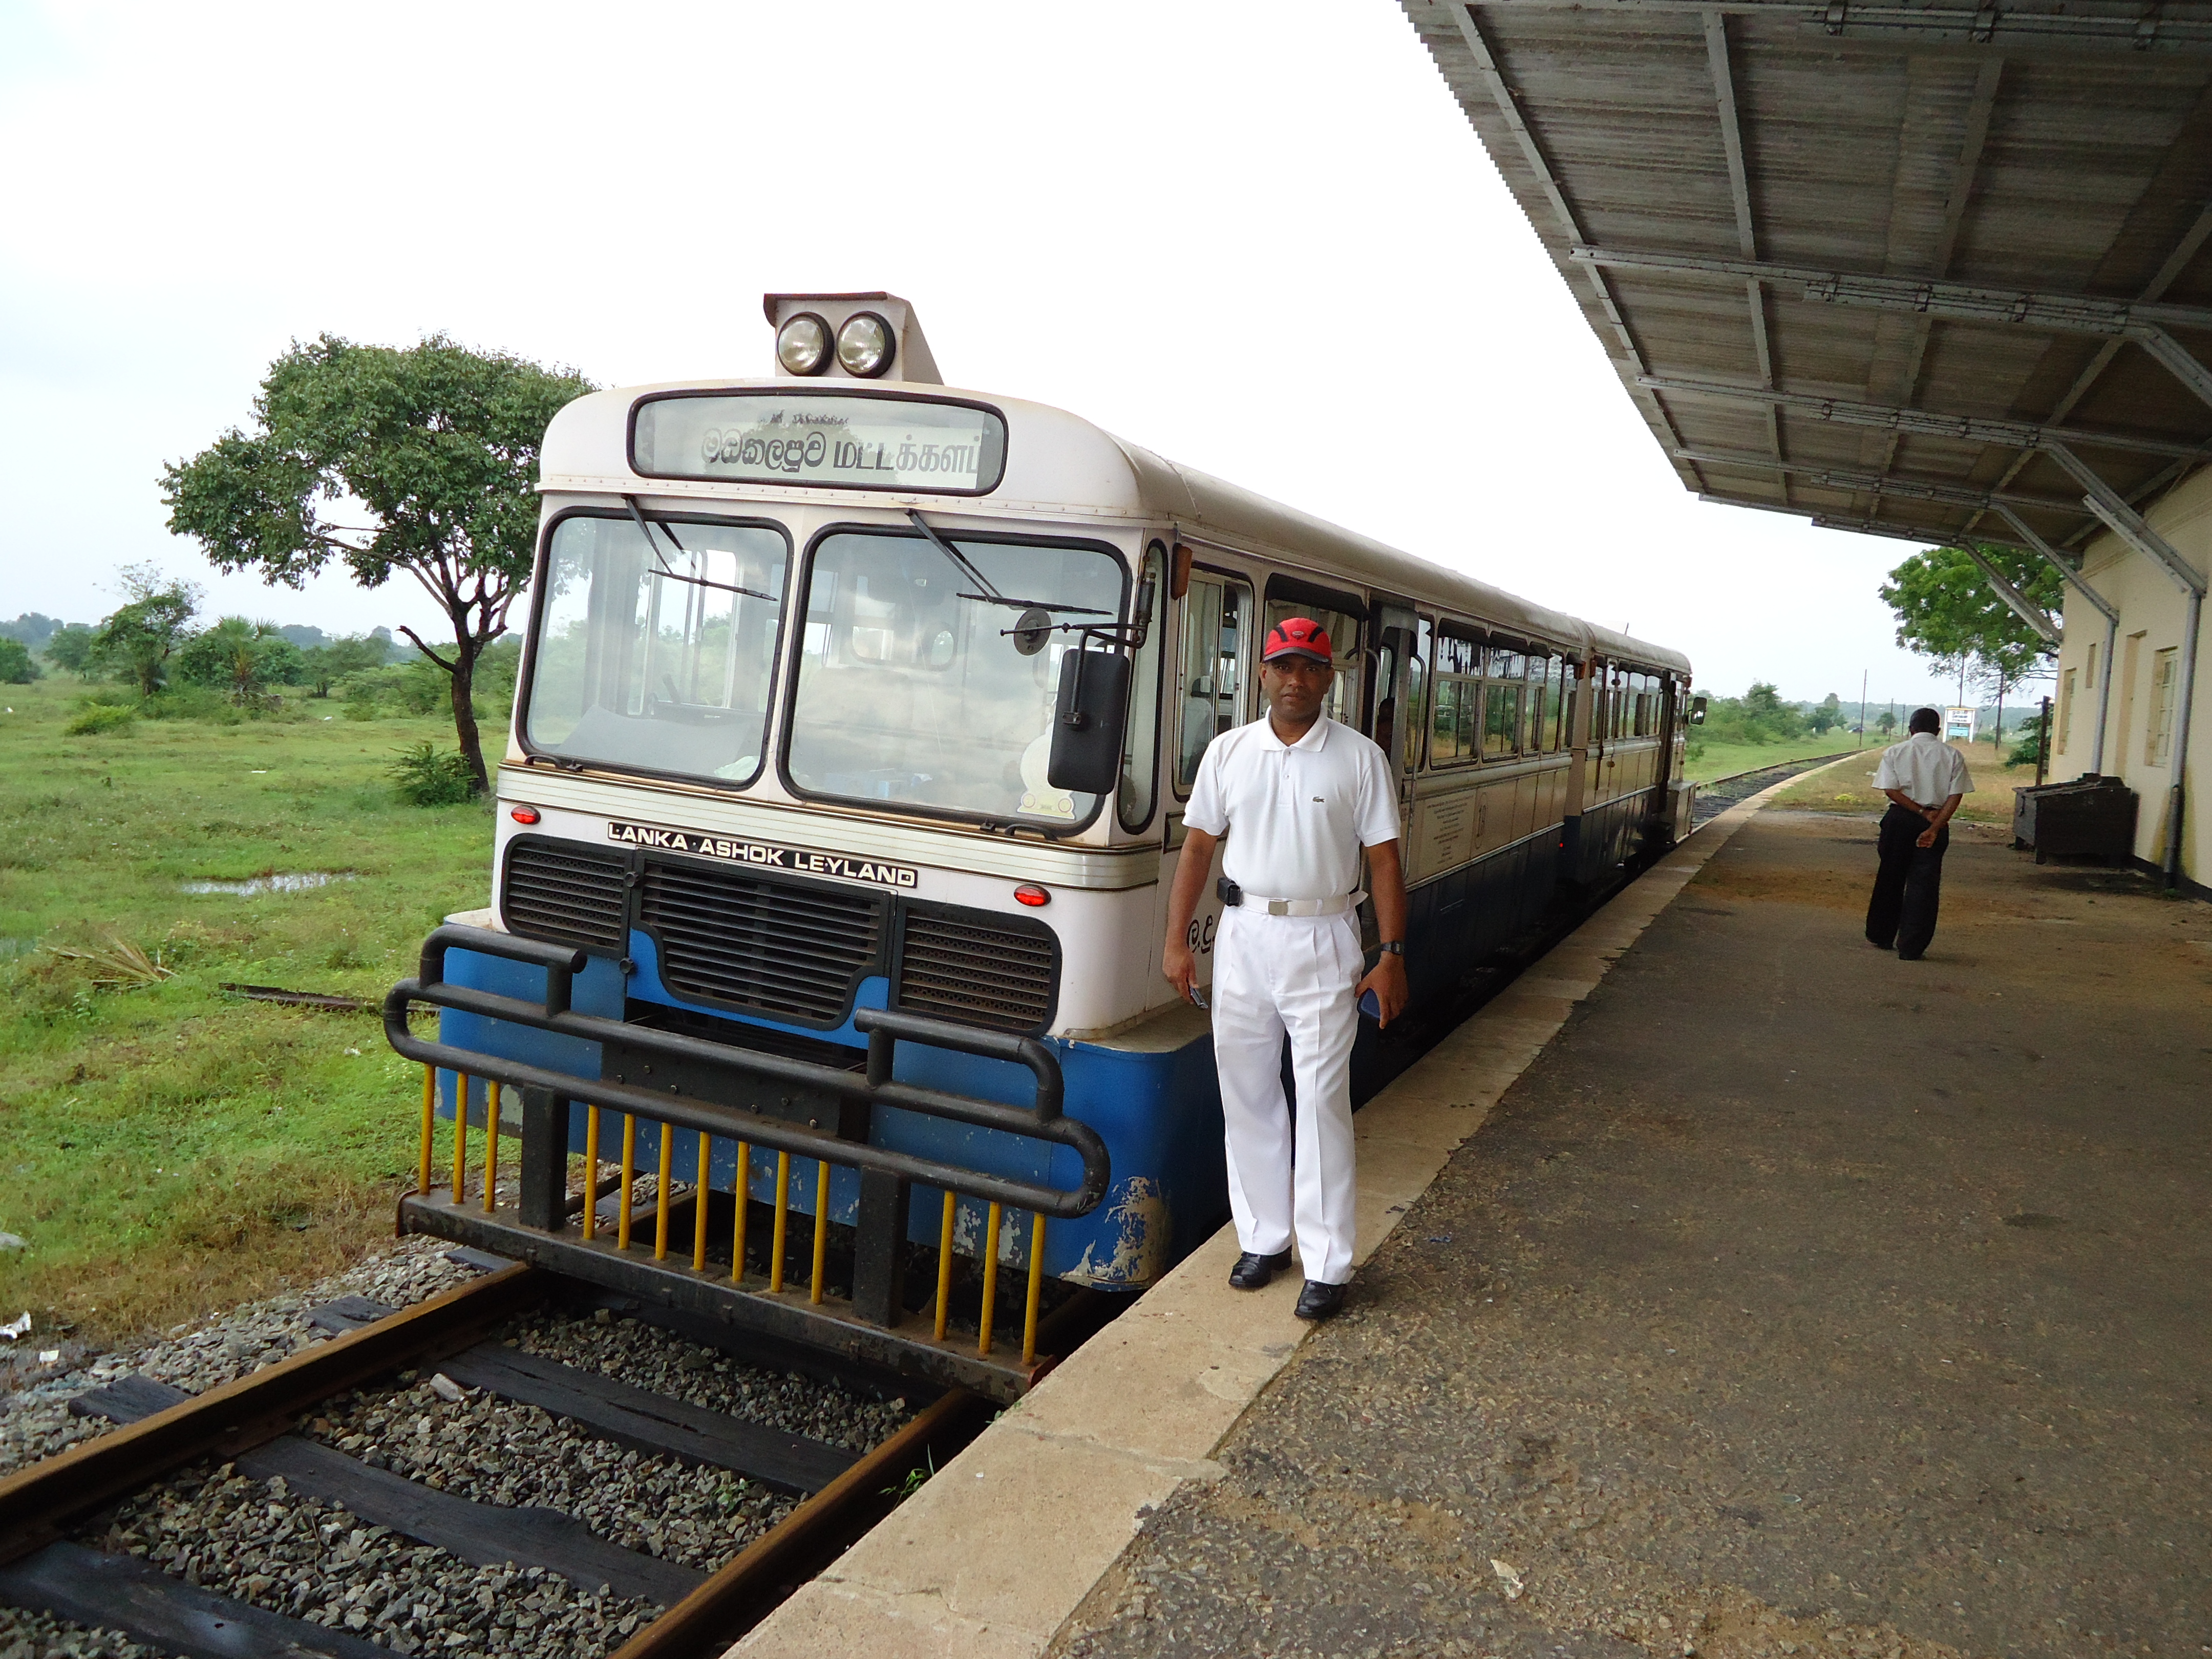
[[1685, 151]]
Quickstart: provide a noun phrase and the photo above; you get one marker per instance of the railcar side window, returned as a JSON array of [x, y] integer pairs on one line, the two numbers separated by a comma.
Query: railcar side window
[[1141, 739], [1217, 654], [916, 686], [657, 656], [1456, 733], [1342, 704], [1501, 703]]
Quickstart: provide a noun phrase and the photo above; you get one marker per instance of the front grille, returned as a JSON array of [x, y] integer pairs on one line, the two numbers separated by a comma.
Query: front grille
[[977, 967], [567, 894], [779, 947]]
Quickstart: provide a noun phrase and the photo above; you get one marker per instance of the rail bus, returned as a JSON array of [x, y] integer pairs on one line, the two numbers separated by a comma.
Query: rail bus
[[837, 818]]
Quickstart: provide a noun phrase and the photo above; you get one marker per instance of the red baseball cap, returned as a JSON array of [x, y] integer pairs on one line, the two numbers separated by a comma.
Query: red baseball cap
[[1297, 637]]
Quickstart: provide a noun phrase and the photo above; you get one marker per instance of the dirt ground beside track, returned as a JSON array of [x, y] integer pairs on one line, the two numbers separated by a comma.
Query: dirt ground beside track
[[1797, 1300]]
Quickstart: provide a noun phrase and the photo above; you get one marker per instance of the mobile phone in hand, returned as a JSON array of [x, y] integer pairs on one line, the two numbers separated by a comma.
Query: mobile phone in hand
[[1197, 998], [1369, 1006]]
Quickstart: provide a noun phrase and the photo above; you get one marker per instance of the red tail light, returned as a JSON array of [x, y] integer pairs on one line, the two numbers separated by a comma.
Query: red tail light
[[1031, 894], [524, 814]]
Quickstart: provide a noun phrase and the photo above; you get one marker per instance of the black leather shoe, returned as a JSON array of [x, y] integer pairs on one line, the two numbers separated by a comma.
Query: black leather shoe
[[1253, 1271], [1908, 956], [1320, 1300]]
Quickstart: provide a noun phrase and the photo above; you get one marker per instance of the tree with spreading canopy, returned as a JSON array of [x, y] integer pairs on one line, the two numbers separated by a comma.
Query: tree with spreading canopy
[[16, 666], [138, 640], [435, 445], [71, 648], [1946, 610], [241, 657]]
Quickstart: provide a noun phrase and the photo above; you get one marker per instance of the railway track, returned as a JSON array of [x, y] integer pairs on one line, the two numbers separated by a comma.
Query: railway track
[[329, 1503], [1716, 795]]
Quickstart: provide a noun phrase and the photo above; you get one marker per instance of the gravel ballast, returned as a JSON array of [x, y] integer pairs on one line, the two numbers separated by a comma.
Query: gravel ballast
[[294, 1554]]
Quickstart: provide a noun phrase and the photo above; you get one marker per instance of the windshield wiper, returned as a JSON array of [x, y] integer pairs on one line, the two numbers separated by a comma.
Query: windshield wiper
[[645, 528], [990, 595]]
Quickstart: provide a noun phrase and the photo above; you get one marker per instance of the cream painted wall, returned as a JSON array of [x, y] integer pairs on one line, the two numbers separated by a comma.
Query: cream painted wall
[[2152, 608]]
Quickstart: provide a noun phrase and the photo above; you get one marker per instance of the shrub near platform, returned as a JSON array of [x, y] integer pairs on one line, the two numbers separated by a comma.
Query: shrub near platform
[[172, 1147]]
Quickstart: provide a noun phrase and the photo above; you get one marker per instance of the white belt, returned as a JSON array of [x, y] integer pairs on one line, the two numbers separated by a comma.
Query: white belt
[[1320, 906]]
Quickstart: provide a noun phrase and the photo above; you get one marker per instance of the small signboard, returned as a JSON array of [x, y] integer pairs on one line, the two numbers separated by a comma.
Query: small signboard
[[1958, 723]]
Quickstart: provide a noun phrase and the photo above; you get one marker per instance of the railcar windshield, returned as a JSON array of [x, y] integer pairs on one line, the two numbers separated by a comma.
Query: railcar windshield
[[916, 688], [657, 654]]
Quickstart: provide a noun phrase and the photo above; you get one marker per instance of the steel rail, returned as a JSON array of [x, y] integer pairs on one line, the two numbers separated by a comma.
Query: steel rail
[[39, 1503]]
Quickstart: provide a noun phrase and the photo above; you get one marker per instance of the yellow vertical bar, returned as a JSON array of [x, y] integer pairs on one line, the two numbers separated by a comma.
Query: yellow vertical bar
[[990, 1280], [460, 1134], [430, 1124], [660, 1194], [491, 1146], [744, 1192], [820, 1226], [699, 1204], [1036, 1288], [629, 1174], [944, 1264], [782, 1216], [590, 1171]]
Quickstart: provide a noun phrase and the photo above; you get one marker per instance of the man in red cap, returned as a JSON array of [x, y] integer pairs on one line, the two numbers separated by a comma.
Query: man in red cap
[[1303, 796]]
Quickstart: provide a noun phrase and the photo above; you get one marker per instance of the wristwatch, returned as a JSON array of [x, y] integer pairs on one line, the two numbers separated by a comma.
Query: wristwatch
[[1392, 947]]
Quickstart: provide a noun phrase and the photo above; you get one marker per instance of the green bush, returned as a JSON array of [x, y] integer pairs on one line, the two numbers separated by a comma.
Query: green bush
[[101, 717], [17, 667], [427, 776]]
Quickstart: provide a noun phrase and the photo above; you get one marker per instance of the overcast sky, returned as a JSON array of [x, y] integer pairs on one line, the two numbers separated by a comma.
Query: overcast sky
[[1198, 225]]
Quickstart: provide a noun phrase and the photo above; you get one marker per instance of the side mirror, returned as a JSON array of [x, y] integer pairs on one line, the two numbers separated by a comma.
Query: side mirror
[[1086, 722], [1696, 711]]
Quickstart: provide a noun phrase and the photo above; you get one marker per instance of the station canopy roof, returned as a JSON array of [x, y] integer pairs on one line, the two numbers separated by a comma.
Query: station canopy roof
[[1934, 271]]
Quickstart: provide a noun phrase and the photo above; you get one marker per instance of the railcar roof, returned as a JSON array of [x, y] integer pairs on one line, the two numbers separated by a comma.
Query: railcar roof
[[1061, 465]]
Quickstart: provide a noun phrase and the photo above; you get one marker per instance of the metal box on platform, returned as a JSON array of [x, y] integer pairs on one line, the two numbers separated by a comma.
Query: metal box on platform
[[2090, 815]]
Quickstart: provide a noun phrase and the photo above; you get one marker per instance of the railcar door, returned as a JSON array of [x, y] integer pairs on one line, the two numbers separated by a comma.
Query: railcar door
[[1210, 693]]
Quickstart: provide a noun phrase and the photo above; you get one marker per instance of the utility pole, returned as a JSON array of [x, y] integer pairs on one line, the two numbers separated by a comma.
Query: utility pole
[[1862, 690]]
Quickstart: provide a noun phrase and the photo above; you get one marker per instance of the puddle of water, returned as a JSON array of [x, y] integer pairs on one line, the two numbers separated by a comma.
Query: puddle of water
[[300, 882]]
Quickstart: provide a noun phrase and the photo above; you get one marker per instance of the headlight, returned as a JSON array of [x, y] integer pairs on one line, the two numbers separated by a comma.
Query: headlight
[[802, 345], [864, 345]]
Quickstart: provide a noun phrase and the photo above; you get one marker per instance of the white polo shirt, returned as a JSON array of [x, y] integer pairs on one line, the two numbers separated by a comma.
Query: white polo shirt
[[1300, 812], [1927, 768]]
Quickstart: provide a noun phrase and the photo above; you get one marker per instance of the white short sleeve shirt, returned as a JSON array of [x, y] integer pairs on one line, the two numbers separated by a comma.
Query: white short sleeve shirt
[[1296, 815], [1927, 768]]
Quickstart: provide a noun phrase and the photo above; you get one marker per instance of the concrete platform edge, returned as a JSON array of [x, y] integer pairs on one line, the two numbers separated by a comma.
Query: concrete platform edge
[[999, 1548]]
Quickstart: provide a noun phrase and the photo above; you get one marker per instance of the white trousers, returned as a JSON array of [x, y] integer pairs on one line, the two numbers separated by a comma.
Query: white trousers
[[1273, 975]]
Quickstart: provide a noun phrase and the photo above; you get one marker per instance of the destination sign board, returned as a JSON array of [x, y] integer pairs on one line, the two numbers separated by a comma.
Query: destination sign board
[[765, 855], [856, 441]]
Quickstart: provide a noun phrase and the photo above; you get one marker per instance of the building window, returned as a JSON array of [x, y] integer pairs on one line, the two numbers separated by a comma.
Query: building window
[[2089, 679], [2065, 710], [2160, 750]]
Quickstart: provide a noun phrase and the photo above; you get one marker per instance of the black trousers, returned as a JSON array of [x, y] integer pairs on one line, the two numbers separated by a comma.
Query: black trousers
[[1909, 885]]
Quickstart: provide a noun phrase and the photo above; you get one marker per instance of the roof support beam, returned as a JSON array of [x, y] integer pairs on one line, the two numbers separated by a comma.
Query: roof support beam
[[2016, 601], [2125, 521], [1886, 483], [1754, 291], [2104, 609], [1967, 428], [2176, 262], [1915, 26], [2145, 323]]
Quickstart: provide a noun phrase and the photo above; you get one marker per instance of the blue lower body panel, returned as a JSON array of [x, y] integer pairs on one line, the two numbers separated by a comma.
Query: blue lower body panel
[[1159, 1115]]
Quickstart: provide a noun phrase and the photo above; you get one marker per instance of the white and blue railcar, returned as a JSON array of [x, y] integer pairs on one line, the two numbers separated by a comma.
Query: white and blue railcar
[[845, 692]]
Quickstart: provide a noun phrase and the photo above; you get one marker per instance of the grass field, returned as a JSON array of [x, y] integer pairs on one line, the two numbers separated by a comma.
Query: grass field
[[1850, 787], [1723, 759], [171, 1147]]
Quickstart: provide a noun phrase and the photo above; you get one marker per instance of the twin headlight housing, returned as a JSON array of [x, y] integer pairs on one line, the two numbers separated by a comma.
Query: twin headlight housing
[[863, 344]]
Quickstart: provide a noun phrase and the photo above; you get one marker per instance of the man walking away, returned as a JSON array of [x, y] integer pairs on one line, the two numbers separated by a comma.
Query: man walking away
[[1304, 795], [1925, 780]]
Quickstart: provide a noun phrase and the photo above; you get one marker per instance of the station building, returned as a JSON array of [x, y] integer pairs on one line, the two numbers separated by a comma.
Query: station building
[[1933, 271]]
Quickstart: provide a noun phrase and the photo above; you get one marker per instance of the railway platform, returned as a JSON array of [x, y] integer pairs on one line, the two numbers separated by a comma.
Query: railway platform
[[1734, 1288]]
